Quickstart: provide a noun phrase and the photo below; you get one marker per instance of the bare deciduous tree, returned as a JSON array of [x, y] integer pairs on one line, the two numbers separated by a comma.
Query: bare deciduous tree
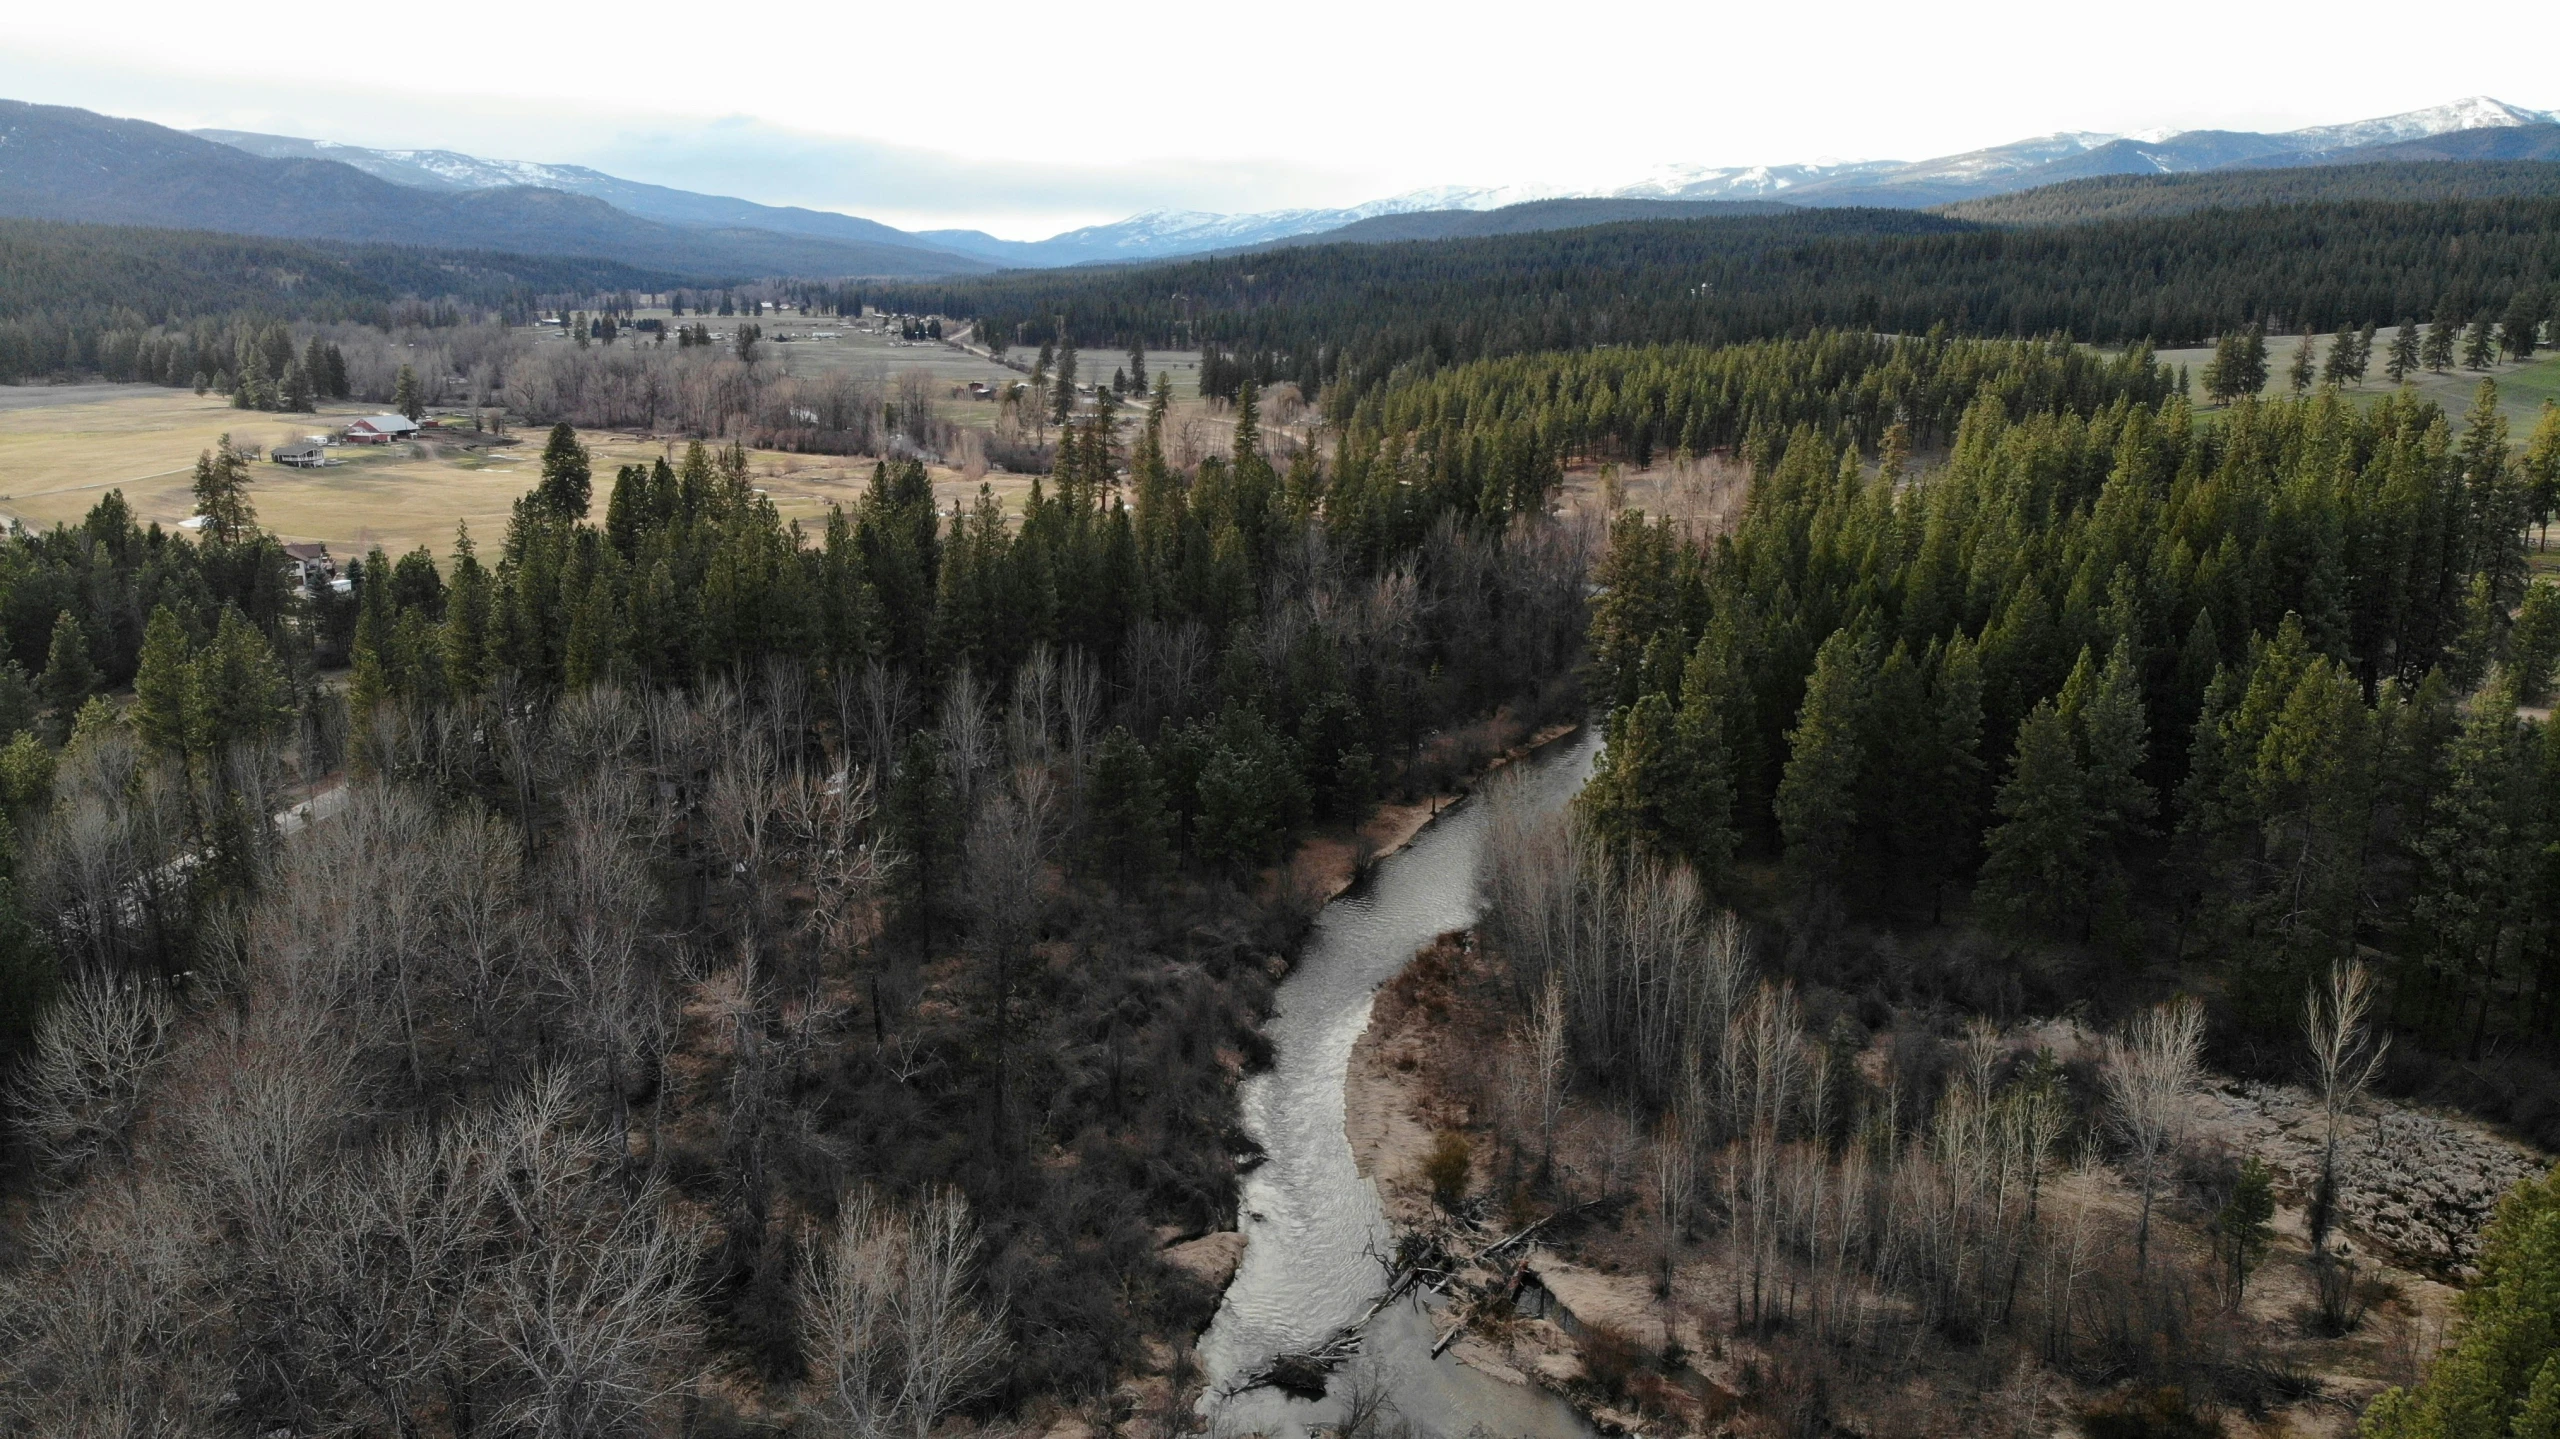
[[83, 1085], [2345, 1055], [593, 1305], [2149, 1073], [894, 1336]]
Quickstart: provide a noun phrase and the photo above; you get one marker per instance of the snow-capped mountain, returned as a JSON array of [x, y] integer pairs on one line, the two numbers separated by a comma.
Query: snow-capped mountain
[[452, 170], [2476, 113], [2067, 155], [1742, 182], [1169, 232]]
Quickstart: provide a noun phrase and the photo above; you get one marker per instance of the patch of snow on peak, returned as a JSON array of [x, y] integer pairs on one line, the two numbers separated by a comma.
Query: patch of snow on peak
[[2478, 112]]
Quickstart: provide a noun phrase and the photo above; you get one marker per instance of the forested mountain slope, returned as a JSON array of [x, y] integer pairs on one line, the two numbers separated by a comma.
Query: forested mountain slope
[[2117, 197], [58, 163]]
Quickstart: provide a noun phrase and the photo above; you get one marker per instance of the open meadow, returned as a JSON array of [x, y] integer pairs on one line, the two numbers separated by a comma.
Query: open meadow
[[2521, 387], [60, 455]]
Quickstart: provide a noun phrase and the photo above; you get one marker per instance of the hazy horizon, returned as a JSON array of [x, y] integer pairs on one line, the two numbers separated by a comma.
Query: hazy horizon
[[1158, 107]]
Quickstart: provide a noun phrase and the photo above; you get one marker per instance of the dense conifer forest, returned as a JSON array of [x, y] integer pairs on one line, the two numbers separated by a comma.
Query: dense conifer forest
[[2124, 197], [1345, 318], [80, 299]]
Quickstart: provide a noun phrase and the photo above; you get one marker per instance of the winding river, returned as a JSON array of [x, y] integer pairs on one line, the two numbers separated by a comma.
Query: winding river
[[1312, 1220]]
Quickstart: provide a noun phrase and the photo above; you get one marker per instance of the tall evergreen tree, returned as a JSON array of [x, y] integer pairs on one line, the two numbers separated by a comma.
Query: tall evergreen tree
[[2404, 353], [2438, 351], [69, 677], [2480, 344], [222, 493], [161, 682], [2035, 875], [1819, 791], [567, 485]]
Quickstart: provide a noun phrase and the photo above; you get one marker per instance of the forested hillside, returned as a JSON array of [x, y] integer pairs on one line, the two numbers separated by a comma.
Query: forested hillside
[[1347, 317], [2142, 687], [80, 299], [2123, 197]]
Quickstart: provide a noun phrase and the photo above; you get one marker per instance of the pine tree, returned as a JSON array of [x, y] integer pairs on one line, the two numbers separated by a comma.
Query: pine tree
[[1063, 398], [1818, 793], [2533, 646], [2343, 367], [2239, 366], [2500, 1376], [2299, 376], [2404, 352], [2114, 745], [2540, 471], [2519, 330], [161, 682], [1124, 811], [69, 676], [1138, 384], [567, 486], [2036, 873], [1640, 789], [2480, 345], [2438, 350], [238, 693], [463, 643], [404, 395], [222, 493]]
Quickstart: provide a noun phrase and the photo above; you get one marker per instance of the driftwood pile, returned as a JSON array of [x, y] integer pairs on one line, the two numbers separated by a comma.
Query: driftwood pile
[[1419, 1259]]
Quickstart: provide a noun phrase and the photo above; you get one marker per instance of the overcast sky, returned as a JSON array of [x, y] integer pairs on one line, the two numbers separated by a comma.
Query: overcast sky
[[1025, 119]]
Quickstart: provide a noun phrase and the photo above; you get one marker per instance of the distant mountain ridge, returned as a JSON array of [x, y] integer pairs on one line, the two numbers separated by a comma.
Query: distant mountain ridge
[[61, 163], [2076, 155], [452, 170], [323, 189]]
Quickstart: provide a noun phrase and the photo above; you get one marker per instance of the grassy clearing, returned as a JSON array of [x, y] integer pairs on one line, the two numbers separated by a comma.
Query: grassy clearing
[[2521, 388]]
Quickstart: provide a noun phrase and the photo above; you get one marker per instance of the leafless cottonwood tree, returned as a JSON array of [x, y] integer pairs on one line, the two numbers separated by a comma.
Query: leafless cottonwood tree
[[969, 737], [2345, 1056], [83, 1085], [1007, 851], [592, 1307], [2149, 1072], [1031, 722], [102, 1332], [885, 709], [599, 969], [1080, 707], [1542, 1040], [895, 1335]]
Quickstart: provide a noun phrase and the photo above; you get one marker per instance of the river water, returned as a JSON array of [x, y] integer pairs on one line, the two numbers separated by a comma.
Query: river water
[[1313, 1222]]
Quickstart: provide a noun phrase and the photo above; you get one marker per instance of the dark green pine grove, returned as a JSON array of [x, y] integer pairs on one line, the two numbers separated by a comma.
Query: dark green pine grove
[[2242, 691]]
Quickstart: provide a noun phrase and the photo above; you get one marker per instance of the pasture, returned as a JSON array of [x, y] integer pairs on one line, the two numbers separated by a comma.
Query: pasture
[[63, 448]]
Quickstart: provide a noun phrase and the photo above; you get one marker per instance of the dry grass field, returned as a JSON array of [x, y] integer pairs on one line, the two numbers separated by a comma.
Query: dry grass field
[[61, 451]]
